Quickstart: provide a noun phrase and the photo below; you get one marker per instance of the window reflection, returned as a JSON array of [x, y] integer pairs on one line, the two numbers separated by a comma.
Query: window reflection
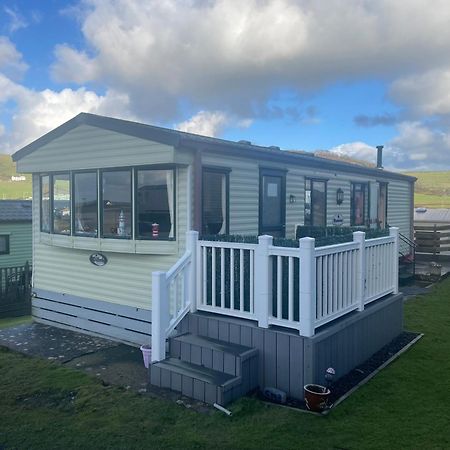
[[85, 204], [61, 203]]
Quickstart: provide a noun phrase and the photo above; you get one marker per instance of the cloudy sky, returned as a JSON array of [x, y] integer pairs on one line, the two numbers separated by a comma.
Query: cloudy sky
[[334, 75]]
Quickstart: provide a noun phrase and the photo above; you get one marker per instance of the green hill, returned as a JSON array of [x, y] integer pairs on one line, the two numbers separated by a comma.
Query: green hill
[[432, 189], [12, 189]]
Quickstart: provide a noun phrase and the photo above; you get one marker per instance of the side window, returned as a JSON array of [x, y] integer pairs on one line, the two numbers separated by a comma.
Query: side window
[[116, 204], [358, 204], [4, 244], [61, 203], [85, 204], [215, 218], [45, 203]]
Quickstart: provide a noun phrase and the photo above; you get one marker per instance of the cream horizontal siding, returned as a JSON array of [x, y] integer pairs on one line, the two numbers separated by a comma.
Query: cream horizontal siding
[[334, 183], [20, 249], [295, 212], [87, 147], [400, 209]]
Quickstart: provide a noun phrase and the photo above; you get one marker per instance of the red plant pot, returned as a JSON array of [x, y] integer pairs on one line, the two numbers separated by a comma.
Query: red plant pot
[[316, 397]]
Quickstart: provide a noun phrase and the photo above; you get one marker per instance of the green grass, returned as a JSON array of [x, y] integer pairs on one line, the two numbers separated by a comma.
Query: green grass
[[431, 200], [14, 321], [432, 189], [46, 406]]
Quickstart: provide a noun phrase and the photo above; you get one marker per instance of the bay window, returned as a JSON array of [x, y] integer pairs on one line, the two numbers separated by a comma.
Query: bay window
[[85, 204], [155, 204], [101, 204], [215, 201], [116, 204]]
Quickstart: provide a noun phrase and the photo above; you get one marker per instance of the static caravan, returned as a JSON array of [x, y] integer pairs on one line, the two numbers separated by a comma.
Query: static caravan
[[116, 203]]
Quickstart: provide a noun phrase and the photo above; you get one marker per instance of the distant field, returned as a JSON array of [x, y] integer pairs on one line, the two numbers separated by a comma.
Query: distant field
[[431, 201], [15, 189], [432, 189]]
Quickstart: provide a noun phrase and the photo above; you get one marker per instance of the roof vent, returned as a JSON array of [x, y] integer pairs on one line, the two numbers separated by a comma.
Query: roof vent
[[242, 141], [274, 147]]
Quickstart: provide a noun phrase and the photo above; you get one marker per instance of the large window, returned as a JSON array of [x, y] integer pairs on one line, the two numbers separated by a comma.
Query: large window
[[116, 198], [315, 202], [61, 203], [101, 204], [4, 244], [215, 201], [85, 204], [382, 204], [155, 216], [45, 203], [359, 209]]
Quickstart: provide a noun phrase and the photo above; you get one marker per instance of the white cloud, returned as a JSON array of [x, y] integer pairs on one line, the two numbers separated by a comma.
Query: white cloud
[[11, 63], [231, 55], [206, 123], [16, 20]]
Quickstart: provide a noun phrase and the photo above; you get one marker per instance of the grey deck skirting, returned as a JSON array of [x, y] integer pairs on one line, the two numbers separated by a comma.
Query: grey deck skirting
[[288, 361], [118, 322]]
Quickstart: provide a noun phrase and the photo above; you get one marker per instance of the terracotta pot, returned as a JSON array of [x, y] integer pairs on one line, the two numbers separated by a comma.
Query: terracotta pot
[[316, 397]]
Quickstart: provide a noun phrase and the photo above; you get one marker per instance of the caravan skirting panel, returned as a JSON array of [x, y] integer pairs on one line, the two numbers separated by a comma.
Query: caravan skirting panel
[[101, 318]]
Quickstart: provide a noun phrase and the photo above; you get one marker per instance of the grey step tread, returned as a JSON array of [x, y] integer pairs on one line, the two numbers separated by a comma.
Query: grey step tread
[[215, 344], [198, 372]]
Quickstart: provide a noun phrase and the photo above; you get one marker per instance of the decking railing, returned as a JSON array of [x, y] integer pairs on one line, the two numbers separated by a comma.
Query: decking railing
[[300, 288]]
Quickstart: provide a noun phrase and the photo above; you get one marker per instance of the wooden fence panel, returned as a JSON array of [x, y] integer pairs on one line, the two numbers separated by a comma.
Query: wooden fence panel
[[15, 291]]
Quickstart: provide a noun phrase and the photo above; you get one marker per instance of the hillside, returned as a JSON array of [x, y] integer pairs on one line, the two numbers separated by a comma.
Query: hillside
[[12, 189], [432, 189]]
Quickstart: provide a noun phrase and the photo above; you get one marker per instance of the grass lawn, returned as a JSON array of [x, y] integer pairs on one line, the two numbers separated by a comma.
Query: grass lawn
[[431, 200], [47, 406]]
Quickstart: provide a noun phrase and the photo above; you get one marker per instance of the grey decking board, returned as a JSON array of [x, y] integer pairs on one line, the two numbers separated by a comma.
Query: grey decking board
[[270, 358], [283, 362]]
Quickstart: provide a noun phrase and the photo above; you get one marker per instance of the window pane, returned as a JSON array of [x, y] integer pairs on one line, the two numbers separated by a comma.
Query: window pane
[[214, 203], [85, 204], [155, 204], [45, 204], [61, 204], [318, 204], [308, 202], [117, 204], [4, 245]]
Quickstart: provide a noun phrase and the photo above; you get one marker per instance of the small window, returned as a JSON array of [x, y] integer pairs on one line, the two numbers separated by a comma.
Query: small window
[[315, 203], [215, 202], [61, 203], [359, 208], [4, 244], [45, 204], [155, 213], [85, 204], [116, 198]]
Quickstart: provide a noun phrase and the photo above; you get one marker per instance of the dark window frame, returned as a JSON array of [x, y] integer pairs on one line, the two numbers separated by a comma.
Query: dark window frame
[[386, 185], [7, 245], [325, 212], [365, 189], [135, 205], [223, 171]]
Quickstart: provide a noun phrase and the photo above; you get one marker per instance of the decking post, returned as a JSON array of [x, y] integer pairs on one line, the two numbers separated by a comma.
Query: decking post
[[263, 280], [160, 315], [307, 286], [393, 231], [360, 238], [191, 245]]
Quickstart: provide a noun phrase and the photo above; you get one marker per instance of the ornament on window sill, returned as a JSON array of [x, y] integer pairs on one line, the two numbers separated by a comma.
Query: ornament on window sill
[[155, 230]]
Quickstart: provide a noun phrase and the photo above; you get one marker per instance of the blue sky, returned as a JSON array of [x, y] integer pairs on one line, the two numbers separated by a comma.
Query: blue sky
[[336, 76]]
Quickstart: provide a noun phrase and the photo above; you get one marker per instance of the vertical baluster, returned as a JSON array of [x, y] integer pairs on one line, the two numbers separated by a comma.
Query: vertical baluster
[[279, 287], [325, 285], [213, 276], [241, 279], [232, 305], [252, 283], [335, 281], [340, 280], [222, 278], [330, 284], [174, 297], [204, 275], [291, 289], [186, 276], [319, 287]]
